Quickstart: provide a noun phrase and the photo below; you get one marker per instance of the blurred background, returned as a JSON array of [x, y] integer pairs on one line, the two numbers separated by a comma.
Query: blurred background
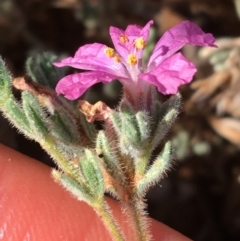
[[200, 196]]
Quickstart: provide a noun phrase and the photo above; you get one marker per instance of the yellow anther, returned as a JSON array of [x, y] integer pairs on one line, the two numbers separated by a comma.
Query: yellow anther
[[140, 43], [123, 38], [132, 59], [117, 59], [109, 52]]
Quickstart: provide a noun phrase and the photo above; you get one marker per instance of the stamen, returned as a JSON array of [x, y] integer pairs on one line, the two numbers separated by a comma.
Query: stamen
[[109, 52], [117, 59], [123, 38], [140, 43], [132, 59]]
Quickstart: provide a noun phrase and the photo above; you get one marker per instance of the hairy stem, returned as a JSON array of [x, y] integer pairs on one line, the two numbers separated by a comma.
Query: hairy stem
[[137, 219], [110, 223]]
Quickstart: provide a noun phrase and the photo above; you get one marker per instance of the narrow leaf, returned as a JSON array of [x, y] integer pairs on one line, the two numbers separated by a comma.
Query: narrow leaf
[[35, 115], [108, 156], [92, 173], [79, 190], [165, 123], [5, 83], [156, 171]]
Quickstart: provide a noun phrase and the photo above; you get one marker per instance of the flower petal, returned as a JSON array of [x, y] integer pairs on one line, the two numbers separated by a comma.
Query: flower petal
[[132, 32], [175, 38], [170, 74], [73, 86], [93, 57], [136, 31]]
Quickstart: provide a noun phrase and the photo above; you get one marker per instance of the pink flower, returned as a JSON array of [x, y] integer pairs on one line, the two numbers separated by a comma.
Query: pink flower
[[166, 69]]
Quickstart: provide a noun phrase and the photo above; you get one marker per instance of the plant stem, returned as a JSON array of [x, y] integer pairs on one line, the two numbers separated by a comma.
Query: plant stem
[[110, 223], [137, 219]]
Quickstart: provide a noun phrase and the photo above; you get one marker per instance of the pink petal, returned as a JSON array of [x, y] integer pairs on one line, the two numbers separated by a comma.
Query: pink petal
[[170, 74], [73, 86], [175, 38], [136, 31], [132, 32], [115, 33], [93, 57]]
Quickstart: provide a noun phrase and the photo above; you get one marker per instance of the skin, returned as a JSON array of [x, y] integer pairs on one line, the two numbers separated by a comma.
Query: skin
[[34, 208]]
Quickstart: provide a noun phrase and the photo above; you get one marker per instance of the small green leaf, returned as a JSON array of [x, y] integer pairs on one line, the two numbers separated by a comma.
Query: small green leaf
[[126, 107], [79, 190], [159, 110], [111, 161], [62, 127], [41, 69], [88, 128], [165, 123], [116, 121], [35, 115], [126, 124], [143, 125], [16, 116], [92, 173], [5, 83], [156, 171]]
